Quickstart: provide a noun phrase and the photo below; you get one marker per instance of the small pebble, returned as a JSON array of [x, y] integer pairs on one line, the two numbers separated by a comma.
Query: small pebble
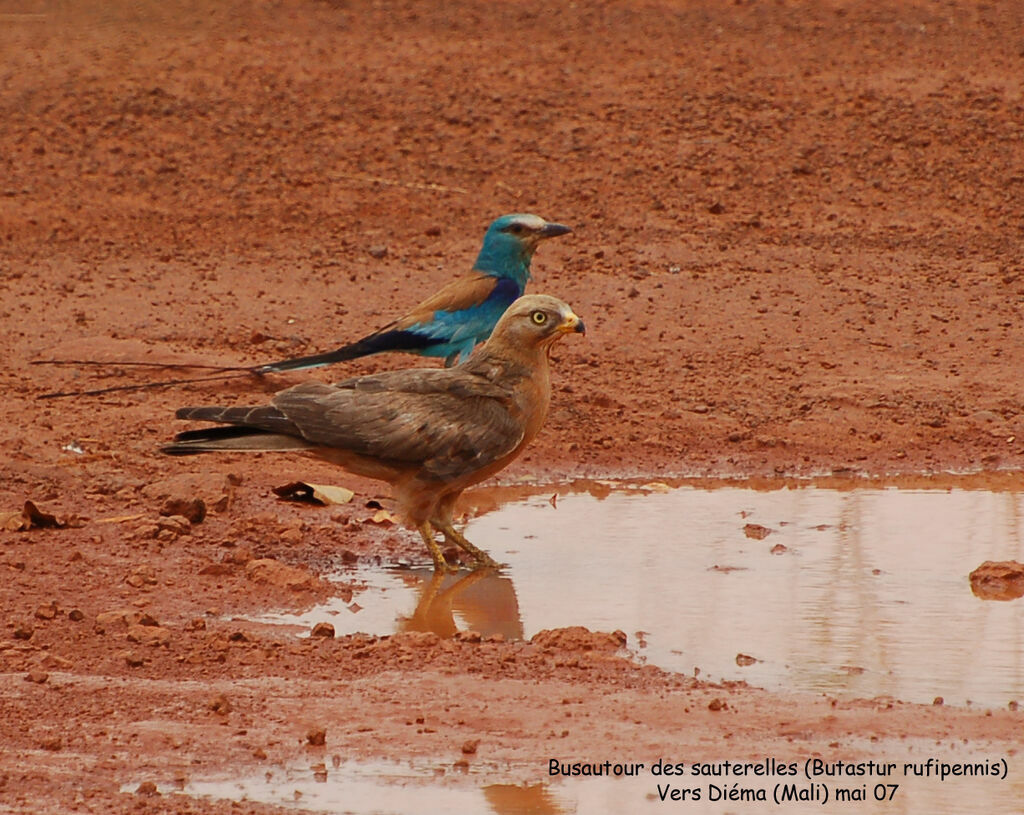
[[316, 737]]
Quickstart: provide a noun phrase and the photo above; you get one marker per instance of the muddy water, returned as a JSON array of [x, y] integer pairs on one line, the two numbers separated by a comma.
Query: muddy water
[[846, 591], [408, 788], [859, 592]]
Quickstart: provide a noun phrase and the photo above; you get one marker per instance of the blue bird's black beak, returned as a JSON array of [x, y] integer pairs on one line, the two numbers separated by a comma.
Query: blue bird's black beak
[[554, 230]]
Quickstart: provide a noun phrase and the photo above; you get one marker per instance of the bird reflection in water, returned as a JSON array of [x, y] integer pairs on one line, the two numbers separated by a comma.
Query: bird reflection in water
[[512, 799], [484, 601]]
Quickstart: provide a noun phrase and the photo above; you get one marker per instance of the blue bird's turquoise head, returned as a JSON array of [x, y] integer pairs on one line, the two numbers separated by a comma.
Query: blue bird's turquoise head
[[510, 242]]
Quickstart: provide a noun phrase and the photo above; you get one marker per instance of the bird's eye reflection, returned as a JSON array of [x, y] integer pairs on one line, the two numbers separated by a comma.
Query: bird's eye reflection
[[539, 317]]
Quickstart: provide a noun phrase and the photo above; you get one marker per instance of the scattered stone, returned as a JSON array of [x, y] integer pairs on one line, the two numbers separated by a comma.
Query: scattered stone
[[275, 573], [938, 700], [216, 569], [259, 754], [412, 639], [717, 704], [133, 660], [196, 624], [743, 660], [176, 525], [578, 638], [192, 509], [76, 615], [23, 632], [150, 635], [316, 737], [148, 619], [756, 531], [469, 746], [220, 705], [998, 580], [147, 788], [468, 636], [39, 677], [323, 630], [147, 529], [291, 536], [57, 663], [118, 618], [779, 549], [53, 744], [378, 251], [47, 612], [213, 489], [143, 575], [239, 556]]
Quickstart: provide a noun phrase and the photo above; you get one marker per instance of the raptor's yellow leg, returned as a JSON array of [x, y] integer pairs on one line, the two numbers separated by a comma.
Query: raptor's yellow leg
[[440, 564], [478, 555]]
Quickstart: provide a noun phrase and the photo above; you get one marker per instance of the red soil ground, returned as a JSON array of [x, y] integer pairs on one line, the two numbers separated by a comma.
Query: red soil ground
[[798, 249]]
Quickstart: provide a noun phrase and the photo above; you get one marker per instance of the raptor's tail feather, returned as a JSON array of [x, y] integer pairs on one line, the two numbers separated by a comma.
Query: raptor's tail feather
[[222, 439], [263, 418]]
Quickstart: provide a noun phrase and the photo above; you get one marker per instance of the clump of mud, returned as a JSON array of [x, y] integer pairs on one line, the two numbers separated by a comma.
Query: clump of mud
[[998, 580]]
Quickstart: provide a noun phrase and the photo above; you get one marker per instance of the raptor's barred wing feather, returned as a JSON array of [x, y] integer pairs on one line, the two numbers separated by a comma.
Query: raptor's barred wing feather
[[448, 421], [263, 417]]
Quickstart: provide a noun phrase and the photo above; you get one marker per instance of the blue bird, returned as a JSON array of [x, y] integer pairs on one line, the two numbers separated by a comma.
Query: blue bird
[[447, 325], [463, 313]]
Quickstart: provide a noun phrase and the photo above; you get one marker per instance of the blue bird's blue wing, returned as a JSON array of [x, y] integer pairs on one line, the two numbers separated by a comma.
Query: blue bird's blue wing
[[454, 330], [448, 325]]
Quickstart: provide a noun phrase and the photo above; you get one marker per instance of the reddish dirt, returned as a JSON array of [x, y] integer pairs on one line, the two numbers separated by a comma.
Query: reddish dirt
[[798, 249]]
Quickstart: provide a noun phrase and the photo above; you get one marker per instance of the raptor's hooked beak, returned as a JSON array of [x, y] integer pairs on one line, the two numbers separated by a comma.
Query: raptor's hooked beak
[[572, 324], [554, 230]]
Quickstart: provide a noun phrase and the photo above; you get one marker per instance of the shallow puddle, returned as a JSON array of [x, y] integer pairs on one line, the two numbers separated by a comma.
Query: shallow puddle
[[859, 592], [847, 591], [395, 788]]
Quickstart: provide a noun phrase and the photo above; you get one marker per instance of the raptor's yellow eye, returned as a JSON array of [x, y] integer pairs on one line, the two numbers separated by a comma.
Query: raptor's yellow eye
[[539, 317]]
